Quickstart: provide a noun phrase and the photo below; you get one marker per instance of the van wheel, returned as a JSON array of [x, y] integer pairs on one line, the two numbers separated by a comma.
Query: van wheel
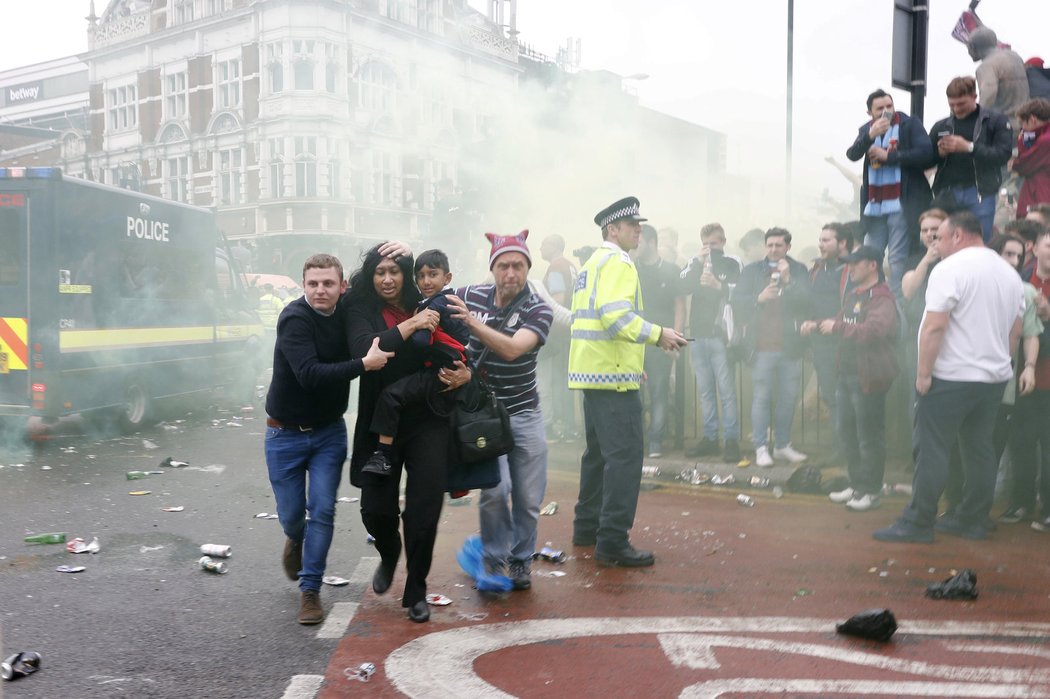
[[134, 412]]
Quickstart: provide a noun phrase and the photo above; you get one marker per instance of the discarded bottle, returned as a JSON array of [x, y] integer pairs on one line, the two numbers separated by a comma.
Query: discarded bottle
[[219, 550], [745, 500], [361, 673], [20, 665], [135, 475], [50, 538], [548, 554], [211, 565]]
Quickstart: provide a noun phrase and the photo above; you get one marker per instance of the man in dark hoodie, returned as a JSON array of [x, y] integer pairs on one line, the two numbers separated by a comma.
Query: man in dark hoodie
[[896, 152], [867, 366]]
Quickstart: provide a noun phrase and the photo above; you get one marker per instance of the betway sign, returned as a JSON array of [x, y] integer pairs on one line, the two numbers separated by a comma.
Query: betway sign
[[27, 92]]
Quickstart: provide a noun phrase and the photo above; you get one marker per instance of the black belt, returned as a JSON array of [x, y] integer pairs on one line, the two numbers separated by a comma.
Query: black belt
[[270, 422]]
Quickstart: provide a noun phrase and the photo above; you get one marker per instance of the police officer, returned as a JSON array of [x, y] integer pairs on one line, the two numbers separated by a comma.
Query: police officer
[[606, 354]]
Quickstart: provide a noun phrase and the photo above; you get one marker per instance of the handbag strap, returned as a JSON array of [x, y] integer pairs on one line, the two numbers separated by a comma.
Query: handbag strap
[[511, 309]]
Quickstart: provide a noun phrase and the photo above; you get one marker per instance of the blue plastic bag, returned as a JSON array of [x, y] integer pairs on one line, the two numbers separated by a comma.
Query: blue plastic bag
[[472, 562]]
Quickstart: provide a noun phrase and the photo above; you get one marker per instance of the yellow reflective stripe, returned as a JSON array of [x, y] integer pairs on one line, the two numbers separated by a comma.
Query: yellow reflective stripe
[[228, 333], [14, 343], [128, 338]]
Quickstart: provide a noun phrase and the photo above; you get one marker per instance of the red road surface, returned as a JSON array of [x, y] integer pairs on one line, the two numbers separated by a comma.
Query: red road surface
[[741, 602]]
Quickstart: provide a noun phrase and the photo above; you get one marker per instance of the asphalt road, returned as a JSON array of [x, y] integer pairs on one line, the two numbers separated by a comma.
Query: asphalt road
[[143, 620]]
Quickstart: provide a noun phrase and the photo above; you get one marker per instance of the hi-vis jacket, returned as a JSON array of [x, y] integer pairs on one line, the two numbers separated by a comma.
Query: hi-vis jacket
[[607, 347]]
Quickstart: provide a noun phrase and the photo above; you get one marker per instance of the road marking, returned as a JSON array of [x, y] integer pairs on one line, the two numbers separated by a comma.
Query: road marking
[[337, 620], [303, 687], [365, 569], [441, 664], [747, 686]]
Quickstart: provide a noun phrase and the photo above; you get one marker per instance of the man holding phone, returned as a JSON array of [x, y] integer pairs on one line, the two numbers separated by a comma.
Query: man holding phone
[[896, 152], [972, 146]]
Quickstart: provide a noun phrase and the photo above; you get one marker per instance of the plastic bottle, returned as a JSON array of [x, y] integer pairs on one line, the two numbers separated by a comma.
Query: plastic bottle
[[49, 538]]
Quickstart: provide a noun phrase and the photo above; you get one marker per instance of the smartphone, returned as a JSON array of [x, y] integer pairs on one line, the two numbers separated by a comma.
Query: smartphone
[[942, 134]]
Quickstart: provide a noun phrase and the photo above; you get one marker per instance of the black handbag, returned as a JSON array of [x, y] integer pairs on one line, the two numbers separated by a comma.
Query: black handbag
[[480, 423]]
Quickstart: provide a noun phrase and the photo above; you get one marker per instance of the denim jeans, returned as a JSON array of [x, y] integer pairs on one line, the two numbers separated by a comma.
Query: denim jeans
[[714, 376], [657, 388], [983, 207], [950, 412], [774, 369], [825, 366], [889, 234], [508, 529], [305, 469], [862, 422]]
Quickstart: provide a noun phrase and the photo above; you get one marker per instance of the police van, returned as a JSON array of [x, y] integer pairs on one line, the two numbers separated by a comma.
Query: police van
[[112, 300]]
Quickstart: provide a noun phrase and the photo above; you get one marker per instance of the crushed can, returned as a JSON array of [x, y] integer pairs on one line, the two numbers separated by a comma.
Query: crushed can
[[361, 673], [759, 482], [548, 554], [211, 565], [745, 500], [549, 509], [20, 665], [650, 471], [217, 550]]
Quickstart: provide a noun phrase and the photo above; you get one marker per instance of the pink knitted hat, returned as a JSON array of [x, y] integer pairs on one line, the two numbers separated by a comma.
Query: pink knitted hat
[[508, 243]]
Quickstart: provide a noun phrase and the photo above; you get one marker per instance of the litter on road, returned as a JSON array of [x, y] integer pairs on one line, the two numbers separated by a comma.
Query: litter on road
[[960, 586], [77, 545], [872, 624], [70, 569]]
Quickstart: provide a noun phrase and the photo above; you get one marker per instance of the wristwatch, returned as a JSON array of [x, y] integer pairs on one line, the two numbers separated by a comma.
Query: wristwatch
[[971, 146]]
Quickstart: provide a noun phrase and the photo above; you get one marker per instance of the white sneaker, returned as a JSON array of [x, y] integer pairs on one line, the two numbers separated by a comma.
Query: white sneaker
[[863, 503], [841, 496], [655, 454], [789, 454], [762, 457]]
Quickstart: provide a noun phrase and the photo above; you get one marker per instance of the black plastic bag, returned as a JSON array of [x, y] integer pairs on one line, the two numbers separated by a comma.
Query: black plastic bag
[[805, 479], [962, 585], [872, 624]]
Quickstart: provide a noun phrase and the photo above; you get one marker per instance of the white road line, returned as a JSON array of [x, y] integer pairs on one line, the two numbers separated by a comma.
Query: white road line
[[303, 687], [337, 620], [441, 664], [365, 569]]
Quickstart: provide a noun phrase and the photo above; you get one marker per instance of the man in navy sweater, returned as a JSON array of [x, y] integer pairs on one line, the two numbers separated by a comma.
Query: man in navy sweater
[[305, 432]]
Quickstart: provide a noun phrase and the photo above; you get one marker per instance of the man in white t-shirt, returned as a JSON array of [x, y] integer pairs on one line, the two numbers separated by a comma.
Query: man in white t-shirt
[[972, 324]]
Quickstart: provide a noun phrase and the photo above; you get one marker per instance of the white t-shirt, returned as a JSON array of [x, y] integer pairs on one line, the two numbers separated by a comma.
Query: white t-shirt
[[984, 296]]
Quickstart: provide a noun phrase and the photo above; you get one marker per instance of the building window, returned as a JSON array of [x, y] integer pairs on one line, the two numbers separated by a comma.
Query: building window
[[175, 96], [331, 68], [384, 177], [176, 171], [305, 166], [217, 6], [335, 191], [377, 89], [123, 108], [275, 63], [228, 83], [276, 168], [182, 12], [230, 176], [303, 62]]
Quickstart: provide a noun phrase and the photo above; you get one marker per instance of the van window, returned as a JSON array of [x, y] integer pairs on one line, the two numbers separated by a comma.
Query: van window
[[12, 245]]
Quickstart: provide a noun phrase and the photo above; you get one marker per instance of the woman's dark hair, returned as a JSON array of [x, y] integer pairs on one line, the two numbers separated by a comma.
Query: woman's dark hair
[[362, 285], [998, 244]]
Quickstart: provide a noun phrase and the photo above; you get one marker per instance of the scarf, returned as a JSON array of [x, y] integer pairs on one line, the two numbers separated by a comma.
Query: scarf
[[884, 182], [392, 315]]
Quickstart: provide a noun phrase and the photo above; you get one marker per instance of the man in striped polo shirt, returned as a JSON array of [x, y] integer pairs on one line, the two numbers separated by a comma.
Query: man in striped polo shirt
[[510, 511]]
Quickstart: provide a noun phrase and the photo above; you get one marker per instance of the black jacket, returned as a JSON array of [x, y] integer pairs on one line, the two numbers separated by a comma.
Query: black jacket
[[753, 280], [993, 144], [707, 302]]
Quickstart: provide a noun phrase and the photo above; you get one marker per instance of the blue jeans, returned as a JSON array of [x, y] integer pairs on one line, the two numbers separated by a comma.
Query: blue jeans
[[825, 366], [290, 456], [774, 369], [508, 529], [714, 375], [983, 207], [657, 387], [889, 234]]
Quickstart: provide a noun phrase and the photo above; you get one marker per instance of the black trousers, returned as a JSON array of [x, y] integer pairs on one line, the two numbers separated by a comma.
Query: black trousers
[[1029, 447], [421, 448], [420, 390]]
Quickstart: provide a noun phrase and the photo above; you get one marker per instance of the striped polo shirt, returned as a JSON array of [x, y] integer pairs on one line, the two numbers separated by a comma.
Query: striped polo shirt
[[513, 382]]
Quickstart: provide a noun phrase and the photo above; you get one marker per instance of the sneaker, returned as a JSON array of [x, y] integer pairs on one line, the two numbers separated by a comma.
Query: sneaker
[[762, 457], [789, 454], [731, 453], [705, 447], [377, 463], [1041, 525], [1015, 515], [310, 610], [842, 496], [863, 503], [292, 558], [953, 526], [655, 453], [904, 533], [519, 575]]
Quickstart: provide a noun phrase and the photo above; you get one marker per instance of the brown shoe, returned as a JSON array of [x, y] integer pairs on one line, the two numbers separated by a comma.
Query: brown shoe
[[310, 610], [292, 558]]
